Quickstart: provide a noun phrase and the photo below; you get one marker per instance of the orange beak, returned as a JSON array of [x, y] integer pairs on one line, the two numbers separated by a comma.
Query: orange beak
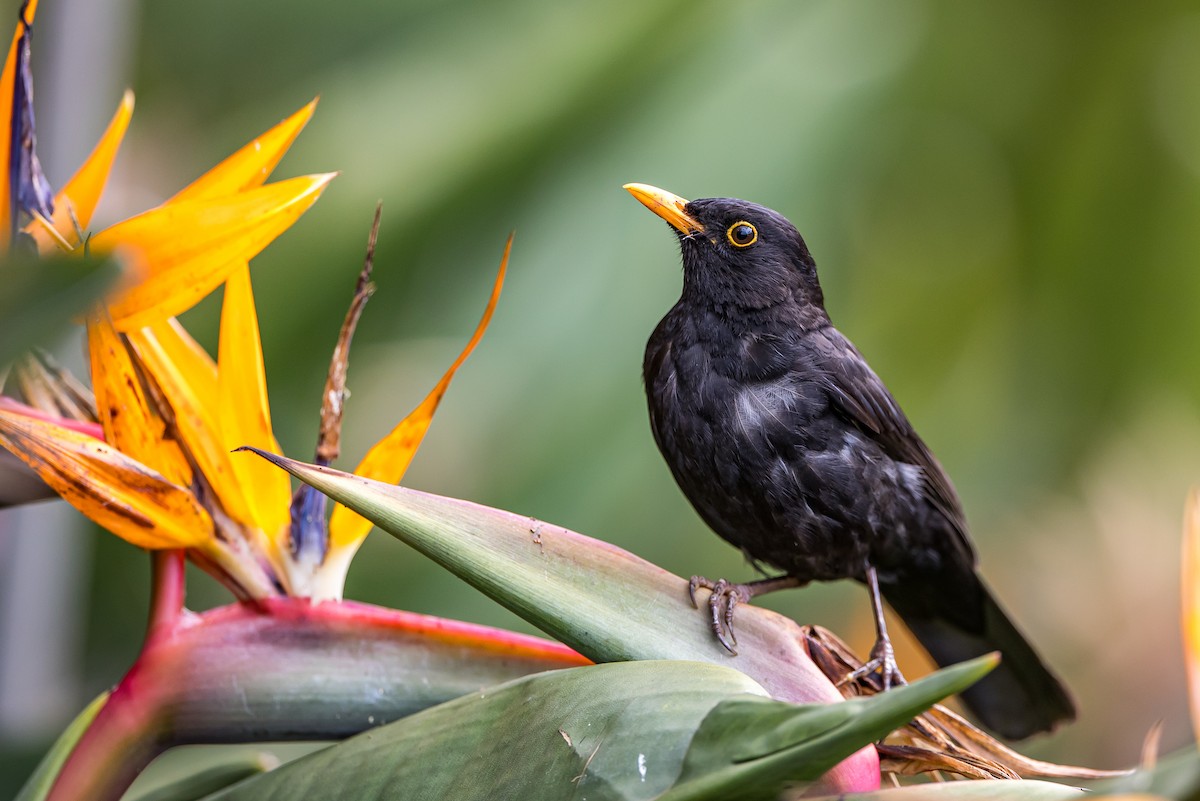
[[666, 205]]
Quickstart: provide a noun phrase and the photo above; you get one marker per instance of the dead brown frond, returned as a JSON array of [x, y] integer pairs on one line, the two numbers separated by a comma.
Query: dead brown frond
[[939, 740]]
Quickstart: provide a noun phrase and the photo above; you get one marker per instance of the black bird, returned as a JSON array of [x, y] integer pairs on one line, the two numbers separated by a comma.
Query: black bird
[[791, 448]]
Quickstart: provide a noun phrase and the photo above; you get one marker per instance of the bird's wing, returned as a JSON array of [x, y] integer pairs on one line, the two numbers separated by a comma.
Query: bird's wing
[[859, 395]]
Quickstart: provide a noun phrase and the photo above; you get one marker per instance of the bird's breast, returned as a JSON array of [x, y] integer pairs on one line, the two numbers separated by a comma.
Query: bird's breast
[[769, 463]]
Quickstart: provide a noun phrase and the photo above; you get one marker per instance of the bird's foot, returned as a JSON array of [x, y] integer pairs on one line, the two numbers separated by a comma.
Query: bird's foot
[[724, 598], [883, 661]]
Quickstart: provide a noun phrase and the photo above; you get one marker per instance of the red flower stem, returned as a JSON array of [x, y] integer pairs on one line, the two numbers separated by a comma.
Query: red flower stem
[[124, 737], [168, 586], [284, 669]]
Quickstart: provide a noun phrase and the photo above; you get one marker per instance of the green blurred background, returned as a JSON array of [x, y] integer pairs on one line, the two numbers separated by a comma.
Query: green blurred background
[[1002, 198]]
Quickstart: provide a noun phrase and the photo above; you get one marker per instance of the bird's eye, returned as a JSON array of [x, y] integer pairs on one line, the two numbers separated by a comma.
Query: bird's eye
[[742, 234]]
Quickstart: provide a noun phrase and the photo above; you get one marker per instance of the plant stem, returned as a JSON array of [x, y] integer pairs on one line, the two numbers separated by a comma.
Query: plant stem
[[167, 588]]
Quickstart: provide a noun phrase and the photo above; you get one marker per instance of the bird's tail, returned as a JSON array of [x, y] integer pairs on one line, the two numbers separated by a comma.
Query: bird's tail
[[959, 620]]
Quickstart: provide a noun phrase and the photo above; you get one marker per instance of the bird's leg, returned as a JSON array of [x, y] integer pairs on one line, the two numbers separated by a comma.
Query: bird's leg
[[883, 657], [725, 596]]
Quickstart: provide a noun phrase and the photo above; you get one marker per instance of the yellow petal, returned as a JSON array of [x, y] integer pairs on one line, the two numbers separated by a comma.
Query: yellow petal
[[195, 367], [1191, 602], [117, 492], [390, 457], [243, 411], [187, 380], [130, 424], [187, 249], [81, 194], [6, 102], [250, 166], [195, 421]]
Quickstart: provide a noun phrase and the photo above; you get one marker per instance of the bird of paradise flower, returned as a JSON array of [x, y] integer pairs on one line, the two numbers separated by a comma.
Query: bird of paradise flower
[[154, 467], [163, 477]]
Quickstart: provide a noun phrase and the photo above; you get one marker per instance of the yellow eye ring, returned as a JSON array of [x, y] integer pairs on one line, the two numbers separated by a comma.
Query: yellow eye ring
[[741, 234]]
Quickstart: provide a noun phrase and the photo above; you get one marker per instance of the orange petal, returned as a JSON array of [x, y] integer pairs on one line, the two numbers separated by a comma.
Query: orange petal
[[195, 421], [250, 166], [390, 457], [6, 101], [82, 192], [187, 249], [243, 411], [130, 425], [1191, 602], [117, 492]]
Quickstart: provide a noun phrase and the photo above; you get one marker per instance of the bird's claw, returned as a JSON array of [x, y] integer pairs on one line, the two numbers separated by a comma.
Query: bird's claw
[[883, 661], [723, 599]]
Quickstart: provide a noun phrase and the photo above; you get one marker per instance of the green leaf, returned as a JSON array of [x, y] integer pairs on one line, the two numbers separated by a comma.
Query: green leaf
[[206, 782], [639, 730], [748, 749], [40, 296], [38, 785], [602, 601], [603, 732]]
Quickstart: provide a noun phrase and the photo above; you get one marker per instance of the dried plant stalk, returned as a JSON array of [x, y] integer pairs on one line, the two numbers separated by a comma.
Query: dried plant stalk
[[939, 740]]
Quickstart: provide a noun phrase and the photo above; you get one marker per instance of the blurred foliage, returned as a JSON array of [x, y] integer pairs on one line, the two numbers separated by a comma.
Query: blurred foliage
[[1001, 197], [40, 297]]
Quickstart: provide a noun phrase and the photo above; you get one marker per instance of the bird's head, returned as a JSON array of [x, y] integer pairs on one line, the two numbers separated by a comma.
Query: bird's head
[[737, 253]]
